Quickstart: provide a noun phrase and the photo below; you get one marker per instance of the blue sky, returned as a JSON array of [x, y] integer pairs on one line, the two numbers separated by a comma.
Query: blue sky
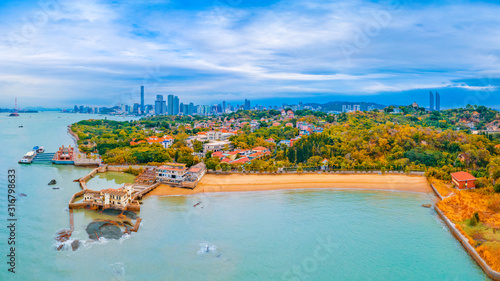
[[97, 52]]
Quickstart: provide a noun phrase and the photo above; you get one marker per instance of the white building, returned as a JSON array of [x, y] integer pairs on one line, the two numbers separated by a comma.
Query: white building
[[171, 172], [217, 146]]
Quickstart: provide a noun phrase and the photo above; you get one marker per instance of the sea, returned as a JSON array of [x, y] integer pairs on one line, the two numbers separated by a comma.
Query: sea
[[311, 234]]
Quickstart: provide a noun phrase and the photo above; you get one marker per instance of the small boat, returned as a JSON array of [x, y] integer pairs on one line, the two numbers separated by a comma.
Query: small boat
[[14, 114], [52, 182], [20, 126], [40, 149], [55, 187], [22, 194]]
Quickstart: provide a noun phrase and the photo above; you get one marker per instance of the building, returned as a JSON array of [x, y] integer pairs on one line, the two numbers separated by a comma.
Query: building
[[171, 172], [196, 172], [142, 100], [65, 155], [160, 105], [170, 106], [108, 198], [463, 180], [191, 109], [438, 102], [431, 101], [136, 108], [247, 105], [176, 105], [217, 146]]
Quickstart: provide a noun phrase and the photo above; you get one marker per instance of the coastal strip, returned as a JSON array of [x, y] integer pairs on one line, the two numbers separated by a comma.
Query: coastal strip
[[495, 275], [256, 182]]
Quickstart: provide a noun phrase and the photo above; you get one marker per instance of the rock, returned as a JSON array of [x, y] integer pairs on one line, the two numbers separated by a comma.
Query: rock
[[60, 247], [52, 182], [426, 205], [75, 244]]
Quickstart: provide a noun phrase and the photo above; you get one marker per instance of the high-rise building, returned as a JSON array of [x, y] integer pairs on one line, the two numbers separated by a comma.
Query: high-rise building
[[223, 106], [142, 100], [176, 105], [438, 102], [185, 109], [191, 109], [136, 108], [247, 104], [160, 105], [431, 101], [170, 108]]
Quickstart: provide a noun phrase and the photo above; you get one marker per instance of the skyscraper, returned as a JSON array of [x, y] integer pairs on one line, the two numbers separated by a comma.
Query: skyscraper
[[160, 105], [170, 110], [136, 108], [191, 109], [142, 100], [438, 102], [176, 105], [223, 106], [247, 105], [431, 101]]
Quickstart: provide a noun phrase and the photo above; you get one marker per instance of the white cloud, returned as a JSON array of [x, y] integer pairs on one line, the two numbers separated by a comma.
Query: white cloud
[[290, 46]]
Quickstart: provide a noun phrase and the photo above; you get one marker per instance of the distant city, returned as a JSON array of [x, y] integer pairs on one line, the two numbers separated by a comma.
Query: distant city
[[173, 106]]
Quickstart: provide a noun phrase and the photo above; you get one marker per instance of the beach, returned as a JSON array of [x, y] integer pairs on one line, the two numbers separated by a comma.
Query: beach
[[255, 182]]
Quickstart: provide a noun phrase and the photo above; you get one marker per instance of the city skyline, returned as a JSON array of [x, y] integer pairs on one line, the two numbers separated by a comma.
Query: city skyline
[[271, 51]]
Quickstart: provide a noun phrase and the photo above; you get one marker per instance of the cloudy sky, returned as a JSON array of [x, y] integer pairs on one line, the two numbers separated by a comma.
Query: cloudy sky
[[57, 53]]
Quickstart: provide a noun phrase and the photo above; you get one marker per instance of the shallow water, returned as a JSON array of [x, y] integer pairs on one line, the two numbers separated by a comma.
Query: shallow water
[[271, 235]]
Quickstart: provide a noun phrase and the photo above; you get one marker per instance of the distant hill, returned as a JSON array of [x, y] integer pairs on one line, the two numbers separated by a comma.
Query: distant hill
[[337, 105]]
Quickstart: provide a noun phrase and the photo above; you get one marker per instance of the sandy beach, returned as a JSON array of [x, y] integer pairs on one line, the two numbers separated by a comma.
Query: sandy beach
[[246, 182]]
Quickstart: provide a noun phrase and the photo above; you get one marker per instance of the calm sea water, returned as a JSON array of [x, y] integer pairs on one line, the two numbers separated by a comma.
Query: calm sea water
[[272, 235]]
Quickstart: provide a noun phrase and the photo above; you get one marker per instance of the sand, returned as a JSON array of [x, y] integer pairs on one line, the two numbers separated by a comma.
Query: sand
[[254, 182]]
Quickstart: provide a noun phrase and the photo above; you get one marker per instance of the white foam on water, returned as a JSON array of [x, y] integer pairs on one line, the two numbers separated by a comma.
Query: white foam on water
[[206, 248]]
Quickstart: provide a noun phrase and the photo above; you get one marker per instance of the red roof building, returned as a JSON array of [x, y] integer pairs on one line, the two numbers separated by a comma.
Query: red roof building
[[463, 180]]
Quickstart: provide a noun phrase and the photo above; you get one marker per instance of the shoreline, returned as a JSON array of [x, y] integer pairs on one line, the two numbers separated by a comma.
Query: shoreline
[[254, 182]]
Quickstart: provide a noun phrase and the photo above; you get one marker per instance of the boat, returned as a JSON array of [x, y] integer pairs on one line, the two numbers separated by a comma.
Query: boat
[[28, 158], [14, 114], [39, 149], [20, 126]]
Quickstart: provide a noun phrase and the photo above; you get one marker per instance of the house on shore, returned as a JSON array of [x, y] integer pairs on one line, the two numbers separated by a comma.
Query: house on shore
[[171, 172], [110, 198], [463, 180]]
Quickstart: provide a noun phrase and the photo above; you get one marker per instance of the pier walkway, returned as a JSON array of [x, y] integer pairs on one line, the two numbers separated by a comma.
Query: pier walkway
[[43, 158]]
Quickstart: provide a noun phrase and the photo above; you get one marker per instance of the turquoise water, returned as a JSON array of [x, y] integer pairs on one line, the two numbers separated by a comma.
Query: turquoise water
[[272, 235]]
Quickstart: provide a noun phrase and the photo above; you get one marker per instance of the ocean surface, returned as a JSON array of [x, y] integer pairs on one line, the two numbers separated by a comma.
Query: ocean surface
[[271, 235]]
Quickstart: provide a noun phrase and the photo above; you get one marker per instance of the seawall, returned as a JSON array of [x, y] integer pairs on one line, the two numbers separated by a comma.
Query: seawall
[[495, 275]]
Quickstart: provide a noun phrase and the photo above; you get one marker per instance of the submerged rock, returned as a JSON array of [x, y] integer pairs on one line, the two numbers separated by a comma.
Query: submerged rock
[[52, 182], [75, 244], [106, 229], [426, 205]]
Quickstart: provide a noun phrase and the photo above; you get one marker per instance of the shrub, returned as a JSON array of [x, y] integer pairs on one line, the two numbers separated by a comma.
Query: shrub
[[497, 187], [474, 220]]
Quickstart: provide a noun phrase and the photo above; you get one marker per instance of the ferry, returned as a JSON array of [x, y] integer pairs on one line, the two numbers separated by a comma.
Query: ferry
[[28, 158]]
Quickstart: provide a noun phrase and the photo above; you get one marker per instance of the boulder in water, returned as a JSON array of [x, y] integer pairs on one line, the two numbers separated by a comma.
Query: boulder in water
[[52, 182], [75, 244]]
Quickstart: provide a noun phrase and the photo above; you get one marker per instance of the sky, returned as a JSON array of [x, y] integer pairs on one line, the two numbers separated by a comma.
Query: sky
[[58, 53]]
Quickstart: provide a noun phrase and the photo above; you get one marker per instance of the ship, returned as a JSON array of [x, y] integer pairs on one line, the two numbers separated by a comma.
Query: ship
[[28, 157], [15, 114]]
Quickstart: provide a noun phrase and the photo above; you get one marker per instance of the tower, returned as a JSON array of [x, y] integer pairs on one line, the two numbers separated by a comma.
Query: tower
[[431, 101], [438, 102], [142, 100], [170, 106], [176, 105]]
